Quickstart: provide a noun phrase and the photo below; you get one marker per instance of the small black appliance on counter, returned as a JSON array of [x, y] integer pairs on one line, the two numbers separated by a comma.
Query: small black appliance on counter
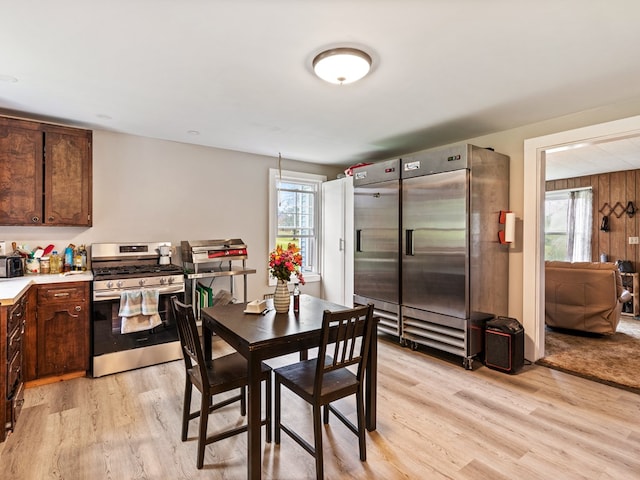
[[504, 344], [11, 266]]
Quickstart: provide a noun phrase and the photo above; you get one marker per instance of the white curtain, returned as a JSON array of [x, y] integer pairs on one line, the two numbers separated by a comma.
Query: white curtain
[[579, 219]]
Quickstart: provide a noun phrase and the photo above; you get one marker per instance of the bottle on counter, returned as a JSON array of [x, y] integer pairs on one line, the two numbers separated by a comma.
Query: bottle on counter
[[296, 298], [77, 261], [55, 263], [83, 256], [68, 258]]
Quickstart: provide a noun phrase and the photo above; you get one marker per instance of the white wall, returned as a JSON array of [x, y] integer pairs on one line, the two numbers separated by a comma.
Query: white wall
[[153, 190]]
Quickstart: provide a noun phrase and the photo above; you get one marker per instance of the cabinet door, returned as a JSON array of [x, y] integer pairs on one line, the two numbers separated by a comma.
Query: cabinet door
[[67, 184], [20, 173], [63, 330], [337, 241]]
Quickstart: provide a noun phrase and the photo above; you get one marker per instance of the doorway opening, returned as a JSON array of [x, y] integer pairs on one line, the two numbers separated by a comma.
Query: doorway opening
[[535, 153]]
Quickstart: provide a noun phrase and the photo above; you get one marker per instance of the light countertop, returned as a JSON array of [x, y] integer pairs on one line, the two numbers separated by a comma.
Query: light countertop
[[11, 289]]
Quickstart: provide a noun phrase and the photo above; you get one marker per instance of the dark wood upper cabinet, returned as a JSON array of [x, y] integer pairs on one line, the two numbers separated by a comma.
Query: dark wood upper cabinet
[[45, 174], [21, 172]]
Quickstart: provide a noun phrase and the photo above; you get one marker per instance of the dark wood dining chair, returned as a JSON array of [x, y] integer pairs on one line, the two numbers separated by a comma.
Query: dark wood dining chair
[[345, 339], [212, 377]]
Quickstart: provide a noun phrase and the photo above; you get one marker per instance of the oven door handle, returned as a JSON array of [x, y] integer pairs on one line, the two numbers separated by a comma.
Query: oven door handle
[[116, 296]]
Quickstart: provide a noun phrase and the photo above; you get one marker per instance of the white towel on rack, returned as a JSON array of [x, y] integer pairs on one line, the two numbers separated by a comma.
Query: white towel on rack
[[150, 299], [130, 303], [139, 310]]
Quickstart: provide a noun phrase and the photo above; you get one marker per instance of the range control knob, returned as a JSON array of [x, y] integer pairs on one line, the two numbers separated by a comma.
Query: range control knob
[[109, 284], [142, 281], [171, 280], [119, 284], [163, 281]]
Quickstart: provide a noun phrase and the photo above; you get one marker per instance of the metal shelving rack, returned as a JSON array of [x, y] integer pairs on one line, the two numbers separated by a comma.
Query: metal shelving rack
[[631, 282], [198, 266]]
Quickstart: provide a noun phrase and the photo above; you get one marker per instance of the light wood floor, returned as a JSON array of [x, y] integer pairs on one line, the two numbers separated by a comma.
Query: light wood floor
[[435, 421]]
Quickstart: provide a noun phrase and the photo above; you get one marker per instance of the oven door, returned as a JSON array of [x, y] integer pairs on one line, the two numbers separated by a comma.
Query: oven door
[[106, 323]]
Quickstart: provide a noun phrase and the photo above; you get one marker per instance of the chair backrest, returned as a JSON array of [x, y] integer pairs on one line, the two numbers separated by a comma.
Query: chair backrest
[[345, 339], [188, 334]]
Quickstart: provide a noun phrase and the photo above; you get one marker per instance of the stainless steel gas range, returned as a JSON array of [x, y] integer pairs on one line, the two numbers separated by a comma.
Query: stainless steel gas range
[[125, 273]]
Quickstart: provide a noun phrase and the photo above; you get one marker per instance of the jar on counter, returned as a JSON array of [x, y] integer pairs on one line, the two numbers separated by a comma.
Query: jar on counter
[[45, 266], [32, 265]]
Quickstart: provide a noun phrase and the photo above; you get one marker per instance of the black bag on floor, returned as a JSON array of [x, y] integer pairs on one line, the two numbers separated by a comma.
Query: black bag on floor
[[504, 344]]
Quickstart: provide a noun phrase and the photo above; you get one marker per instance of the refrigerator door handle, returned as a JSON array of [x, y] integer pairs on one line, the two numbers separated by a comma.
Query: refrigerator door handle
[[341, 245], [358, 240], [409, 242]]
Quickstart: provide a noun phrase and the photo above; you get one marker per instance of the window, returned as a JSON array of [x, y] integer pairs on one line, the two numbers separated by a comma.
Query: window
[[568, 220], [294, 216]]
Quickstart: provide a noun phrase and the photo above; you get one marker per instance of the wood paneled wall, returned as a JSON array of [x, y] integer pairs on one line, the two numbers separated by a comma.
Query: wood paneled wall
[[610, 188]]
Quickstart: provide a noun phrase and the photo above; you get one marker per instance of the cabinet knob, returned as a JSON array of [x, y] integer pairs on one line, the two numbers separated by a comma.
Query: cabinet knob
[[78, 308], [51, 219], [35, 219]]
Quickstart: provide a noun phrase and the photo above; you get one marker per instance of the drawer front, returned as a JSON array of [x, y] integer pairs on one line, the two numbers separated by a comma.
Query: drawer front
[[14, 343], [61, 293], [14, 374], [14, 407], [16, 315]]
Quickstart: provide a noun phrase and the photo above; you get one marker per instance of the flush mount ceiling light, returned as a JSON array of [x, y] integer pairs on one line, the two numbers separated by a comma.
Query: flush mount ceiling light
[[342, 65]]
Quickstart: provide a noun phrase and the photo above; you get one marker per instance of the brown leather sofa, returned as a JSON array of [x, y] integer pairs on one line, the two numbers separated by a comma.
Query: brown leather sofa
[[584, 296]]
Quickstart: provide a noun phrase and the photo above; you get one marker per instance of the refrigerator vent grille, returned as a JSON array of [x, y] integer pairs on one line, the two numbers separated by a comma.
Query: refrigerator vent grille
[[434, 335]]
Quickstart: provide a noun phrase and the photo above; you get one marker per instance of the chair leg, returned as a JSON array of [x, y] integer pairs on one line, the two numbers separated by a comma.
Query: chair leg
[[243, 401], [362, 440], [268, 407], [277, 412], [186, 408], [317, 440], [325, 416], [202, 433]]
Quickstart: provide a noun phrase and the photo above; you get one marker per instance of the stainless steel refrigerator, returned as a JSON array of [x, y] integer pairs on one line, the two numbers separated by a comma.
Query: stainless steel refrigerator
[[427, 251], [376, 220], [454, 269]]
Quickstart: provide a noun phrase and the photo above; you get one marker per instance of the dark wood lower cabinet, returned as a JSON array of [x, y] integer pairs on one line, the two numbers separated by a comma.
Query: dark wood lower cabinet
[[58, 339], [12, 326], [63, 328], [43, 334]]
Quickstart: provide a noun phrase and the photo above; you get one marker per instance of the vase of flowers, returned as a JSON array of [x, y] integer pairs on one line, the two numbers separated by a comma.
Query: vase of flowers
[[282, 263]]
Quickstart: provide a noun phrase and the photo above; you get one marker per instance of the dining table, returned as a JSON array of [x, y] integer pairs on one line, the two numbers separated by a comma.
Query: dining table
[[266, 335]]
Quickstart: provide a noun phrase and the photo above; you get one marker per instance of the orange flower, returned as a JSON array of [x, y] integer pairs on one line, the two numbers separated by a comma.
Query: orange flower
[[282, 263]]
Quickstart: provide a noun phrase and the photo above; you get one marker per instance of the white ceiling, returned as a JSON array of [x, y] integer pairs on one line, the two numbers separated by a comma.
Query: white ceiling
[[239, 72], [591, 158]]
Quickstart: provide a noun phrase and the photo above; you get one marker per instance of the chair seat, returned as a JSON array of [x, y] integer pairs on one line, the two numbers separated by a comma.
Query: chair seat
[[344, 344], [300, 378], [227, 372]]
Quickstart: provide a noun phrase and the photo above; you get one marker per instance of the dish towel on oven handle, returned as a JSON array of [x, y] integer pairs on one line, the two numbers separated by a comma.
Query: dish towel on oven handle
[[139, 310]]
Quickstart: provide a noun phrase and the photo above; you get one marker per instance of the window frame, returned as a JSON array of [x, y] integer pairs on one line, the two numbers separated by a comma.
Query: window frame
[[276, 175], [564, 194]]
